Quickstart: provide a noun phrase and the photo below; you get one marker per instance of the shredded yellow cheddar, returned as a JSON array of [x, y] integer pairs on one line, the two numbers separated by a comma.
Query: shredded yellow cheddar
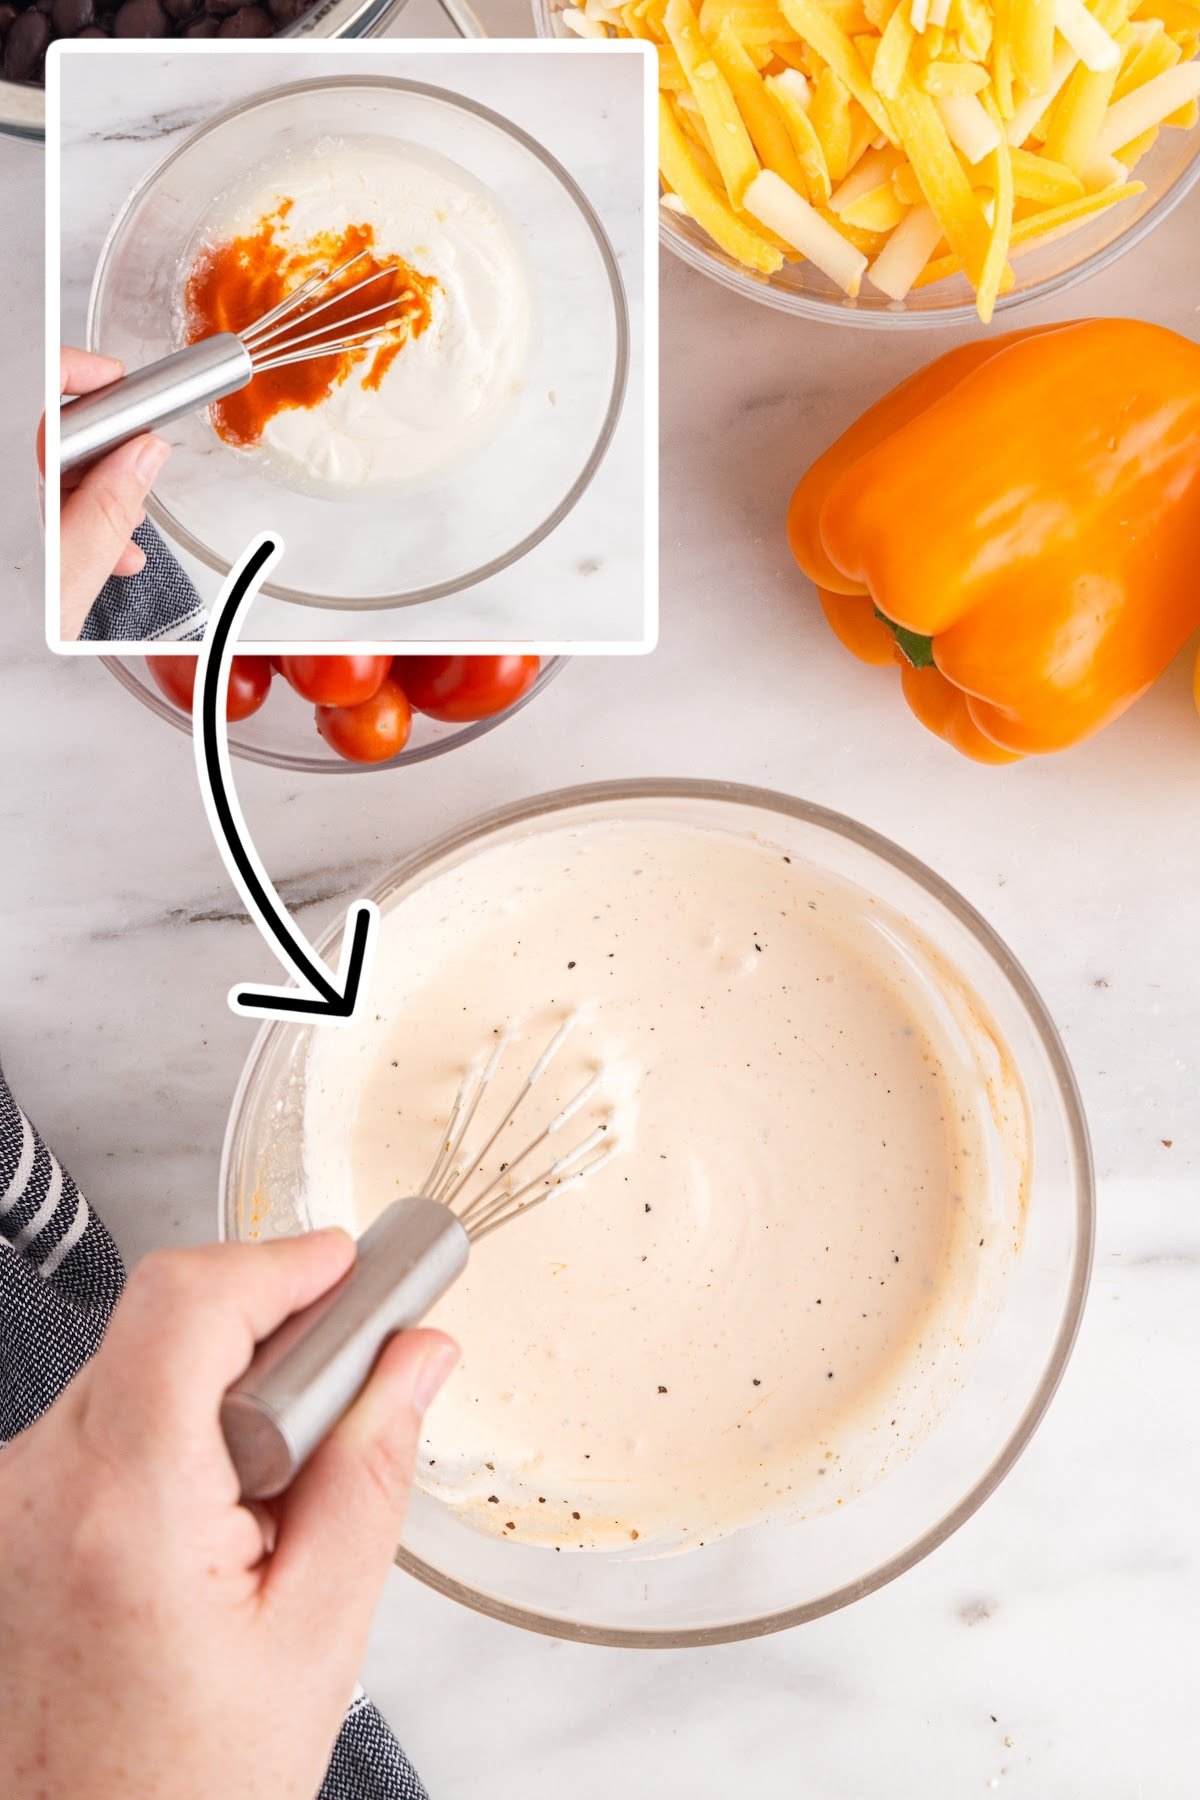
[[928, 138]]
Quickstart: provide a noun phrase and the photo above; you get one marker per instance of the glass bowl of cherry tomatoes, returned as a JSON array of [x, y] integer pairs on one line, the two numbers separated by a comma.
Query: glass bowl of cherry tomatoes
[[326, 714]]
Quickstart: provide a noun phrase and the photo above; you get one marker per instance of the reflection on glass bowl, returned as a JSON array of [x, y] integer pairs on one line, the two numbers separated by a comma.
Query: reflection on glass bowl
[[283, 734]]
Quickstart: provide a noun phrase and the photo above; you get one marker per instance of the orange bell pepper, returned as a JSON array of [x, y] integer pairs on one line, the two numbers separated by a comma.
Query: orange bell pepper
[[1018, 526]]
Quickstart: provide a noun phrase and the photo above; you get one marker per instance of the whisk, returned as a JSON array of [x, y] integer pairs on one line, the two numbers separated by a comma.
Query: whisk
[[214, 367], [304, 1376]]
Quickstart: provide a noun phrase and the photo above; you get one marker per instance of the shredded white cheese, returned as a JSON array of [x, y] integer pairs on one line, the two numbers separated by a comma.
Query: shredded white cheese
[[871, 171], [906, 252], [1148, 106], [1030, 110], [580, 24], [968, 125], [1086, 36], [782, 210]]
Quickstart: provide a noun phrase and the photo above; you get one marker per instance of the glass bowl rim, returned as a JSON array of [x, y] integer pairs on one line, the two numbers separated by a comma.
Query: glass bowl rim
[[620, 310], [834, 311], [840, 312], [769, 801], [318, 765]]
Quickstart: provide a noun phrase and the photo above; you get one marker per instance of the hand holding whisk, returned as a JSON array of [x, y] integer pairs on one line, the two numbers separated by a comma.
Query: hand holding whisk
[[304, 1377]]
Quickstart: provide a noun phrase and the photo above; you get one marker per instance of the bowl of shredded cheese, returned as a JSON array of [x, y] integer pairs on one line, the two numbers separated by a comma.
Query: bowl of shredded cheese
[[911, 161]]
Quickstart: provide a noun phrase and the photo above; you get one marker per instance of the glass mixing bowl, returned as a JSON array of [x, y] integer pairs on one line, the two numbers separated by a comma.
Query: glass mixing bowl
[[1170, 171], [776, 1573], [282, 734], [394, 546], [23, 105]]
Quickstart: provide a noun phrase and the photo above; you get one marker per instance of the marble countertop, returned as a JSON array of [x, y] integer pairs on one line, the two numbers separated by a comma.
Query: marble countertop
[[586, 582], [1048, 1650]]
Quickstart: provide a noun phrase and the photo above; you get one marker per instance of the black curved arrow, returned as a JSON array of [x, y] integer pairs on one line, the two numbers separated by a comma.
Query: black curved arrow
[[330, 1000]]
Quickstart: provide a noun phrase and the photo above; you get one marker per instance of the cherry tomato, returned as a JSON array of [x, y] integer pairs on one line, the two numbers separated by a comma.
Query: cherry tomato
[[335, 680], [374, 730], [249, 682], [458, 688], [176, 676]]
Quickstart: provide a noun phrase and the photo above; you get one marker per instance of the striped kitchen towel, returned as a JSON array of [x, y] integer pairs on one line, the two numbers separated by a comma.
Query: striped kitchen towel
[[60, 1273], [159, 606], [60, 1277]]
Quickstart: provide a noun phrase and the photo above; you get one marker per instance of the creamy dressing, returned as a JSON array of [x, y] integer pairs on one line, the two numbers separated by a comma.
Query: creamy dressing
[[767, 1293], [447, 388]]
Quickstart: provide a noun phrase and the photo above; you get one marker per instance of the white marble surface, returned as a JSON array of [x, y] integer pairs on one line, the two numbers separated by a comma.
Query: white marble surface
[[122, 113], [1048, 1651]]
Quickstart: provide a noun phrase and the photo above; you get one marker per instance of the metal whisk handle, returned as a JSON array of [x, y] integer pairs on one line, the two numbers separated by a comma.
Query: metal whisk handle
[[184, 382], [306, 1374]]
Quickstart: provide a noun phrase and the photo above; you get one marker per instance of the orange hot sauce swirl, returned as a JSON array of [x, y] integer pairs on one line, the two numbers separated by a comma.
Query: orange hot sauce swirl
[[231, 286]]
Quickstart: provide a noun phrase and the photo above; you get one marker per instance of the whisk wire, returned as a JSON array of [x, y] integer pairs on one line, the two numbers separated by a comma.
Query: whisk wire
[[358, 341], [257, 340], [482, 1209], [500, 1198], [470, 1093], [502, 1215], [275, 341], [505, 1174], [535, 1074], [290, 301]]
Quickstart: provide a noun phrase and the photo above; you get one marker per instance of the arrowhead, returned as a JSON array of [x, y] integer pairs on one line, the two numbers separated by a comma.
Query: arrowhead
[[333, 1001], [327, 1001]]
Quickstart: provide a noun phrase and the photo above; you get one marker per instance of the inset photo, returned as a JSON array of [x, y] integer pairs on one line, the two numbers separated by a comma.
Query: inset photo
[[393, 306]]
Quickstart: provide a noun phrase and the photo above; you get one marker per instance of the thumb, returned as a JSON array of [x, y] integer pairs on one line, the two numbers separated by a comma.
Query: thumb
[[99, 516], [340, 1521]]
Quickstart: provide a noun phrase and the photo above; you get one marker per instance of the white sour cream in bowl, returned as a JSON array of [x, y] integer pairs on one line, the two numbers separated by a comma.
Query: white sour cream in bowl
[[766, 1294], [447, 386]]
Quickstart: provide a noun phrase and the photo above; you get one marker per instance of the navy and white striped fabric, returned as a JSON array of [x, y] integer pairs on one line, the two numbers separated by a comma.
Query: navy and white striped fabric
[[60, 1273], [60, 1277], [159, 606]]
